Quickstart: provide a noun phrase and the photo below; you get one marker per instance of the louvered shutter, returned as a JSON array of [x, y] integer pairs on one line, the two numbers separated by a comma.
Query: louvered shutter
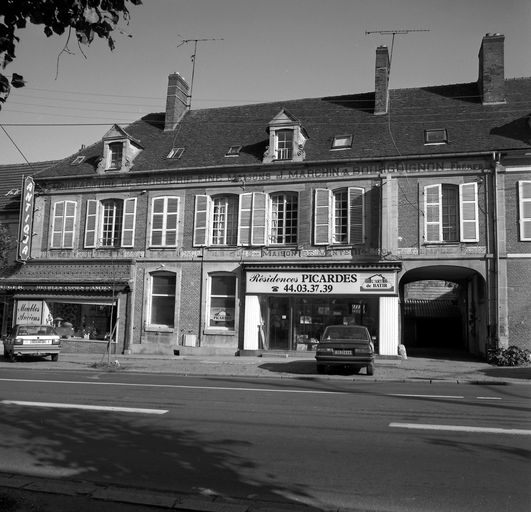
[[259, 219], [524, 196], [321, 215], [433, 213], [201, 220], [57, 227], [356, 205], [91, 223], [128, 224], [69, 224], [244, 219], [468, 205]]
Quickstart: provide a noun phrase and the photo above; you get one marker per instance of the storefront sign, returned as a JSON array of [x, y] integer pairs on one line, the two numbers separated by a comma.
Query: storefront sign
[[26, 219], [316, 283], [32, 312]]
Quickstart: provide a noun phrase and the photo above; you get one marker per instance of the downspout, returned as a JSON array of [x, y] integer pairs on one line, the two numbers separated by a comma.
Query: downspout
[[496, 159], [489, 226]]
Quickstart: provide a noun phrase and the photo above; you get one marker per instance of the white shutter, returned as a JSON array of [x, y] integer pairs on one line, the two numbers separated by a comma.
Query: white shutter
[[128, 222], [259, 219], [524, 202], [321, 216], [58, 224], [356, 217], [69, 224], [433, 213], [468, 207], [244, 219], [201, 220], [91, 223]]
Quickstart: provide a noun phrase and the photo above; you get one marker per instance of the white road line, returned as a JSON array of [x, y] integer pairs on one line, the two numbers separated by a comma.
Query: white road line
[[488, 398], [85, 407], [456, 428], [425, 396]]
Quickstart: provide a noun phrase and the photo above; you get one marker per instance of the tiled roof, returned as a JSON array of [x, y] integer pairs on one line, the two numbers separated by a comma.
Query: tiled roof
[[207, 134], [11, 181]]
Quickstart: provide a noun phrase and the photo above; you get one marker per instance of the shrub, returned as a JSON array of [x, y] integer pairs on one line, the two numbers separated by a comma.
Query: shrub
[[510, 356]]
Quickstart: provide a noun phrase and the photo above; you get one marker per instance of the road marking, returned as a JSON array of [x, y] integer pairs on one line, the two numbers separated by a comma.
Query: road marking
[[488, 398], [85, 407], [425, 396], [456, 428]]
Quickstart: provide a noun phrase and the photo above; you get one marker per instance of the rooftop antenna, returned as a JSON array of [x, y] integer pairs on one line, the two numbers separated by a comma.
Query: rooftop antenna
[[394, 33], [193, 58]]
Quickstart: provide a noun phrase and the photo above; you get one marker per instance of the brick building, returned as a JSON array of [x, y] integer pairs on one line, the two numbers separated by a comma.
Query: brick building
[[249, 228]]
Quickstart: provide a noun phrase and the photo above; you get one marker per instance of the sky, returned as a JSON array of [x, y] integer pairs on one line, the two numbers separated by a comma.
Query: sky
[[258, 51]]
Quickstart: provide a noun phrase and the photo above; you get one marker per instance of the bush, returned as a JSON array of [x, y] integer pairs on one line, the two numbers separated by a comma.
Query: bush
[[510, 356]]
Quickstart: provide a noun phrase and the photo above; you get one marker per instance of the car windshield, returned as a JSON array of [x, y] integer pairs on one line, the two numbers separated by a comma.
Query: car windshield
[[345, 332], [35, 330]]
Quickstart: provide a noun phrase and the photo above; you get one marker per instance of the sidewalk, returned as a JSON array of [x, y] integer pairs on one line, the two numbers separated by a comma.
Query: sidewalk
[[296, 366]]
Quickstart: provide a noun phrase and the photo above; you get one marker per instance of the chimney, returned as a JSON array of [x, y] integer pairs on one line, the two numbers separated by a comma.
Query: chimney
[[176, 101], [381, 80], [491, 80]]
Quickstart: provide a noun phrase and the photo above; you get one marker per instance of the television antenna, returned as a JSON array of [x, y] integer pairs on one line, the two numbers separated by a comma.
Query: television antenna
[[193, 59], [394, 33]]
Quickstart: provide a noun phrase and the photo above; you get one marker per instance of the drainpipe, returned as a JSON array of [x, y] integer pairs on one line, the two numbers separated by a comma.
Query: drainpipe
[[496, 246]]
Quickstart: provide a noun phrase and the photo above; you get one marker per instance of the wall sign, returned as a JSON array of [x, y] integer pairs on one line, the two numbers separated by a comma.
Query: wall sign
[[321, 283], [26, 219]]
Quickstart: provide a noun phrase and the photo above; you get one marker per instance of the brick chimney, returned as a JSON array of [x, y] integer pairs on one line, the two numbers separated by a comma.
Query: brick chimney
[[176, 100], [381, 80], [491, 80]]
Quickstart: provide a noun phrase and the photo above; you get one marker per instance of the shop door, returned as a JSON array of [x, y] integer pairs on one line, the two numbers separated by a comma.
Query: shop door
[[279, 323]]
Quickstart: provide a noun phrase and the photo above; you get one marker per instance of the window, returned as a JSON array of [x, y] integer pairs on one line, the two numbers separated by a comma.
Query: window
[[451, 213], [342, 142], [77, 160], [116, 151], [64, 218], [524, 197], [164, 220], [234, 151], [439, 136], [222, 308], [175, 153], [162, 307], [284, 144], [110, 223], [284, 216], [339, 216], [225, 220]]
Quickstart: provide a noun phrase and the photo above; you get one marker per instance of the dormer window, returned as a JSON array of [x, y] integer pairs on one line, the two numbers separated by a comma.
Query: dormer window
[[342, 142], [116, 153], [434, 137], [287, 139], [119, 151]]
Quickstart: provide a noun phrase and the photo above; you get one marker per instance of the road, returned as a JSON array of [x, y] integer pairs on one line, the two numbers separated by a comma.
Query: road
[[326, 443]]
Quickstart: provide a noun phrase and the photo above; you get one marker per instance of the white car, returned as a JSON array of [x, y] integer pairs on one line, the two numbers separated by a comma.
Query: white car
[[32, 340]]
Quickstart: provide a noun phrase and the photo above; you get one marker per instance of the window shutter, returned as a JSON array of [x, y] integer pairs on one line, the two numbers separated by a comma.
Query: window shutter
[[524, 196], [356, 218], [172, 218], [468, 206], [244, 219], [259, 219], [433, 213], [128, 225], [69, 224], [321, 227], [57, 227], [201, 220], [91, 223]]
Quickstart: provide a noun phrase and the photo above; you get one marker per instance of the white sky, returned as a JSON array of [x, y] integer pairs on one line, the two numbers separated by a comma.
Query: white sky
[[271, 50]]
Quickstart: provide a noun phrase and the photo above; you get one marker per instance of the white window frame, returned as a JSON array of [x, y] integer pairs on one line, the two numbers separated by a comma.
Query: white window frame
[[283, 232], [109, 147], [167, 226], [524, 203], [149, 322], [218, 328], [61, 225]]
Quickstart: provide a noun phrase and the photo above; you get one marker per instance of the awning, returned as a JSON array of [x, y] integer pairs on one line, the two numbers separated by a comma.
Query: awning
[[436, 308]]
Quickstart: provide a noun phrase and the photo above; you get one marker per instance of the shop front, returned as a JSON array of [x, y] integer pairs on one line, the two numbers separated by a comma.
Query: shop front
[[289, 309]]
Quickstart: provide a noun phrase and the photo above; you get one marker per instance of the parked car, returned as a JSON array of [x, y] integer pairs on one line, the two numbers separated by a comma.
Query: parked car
[[345, 346], [32, 340]]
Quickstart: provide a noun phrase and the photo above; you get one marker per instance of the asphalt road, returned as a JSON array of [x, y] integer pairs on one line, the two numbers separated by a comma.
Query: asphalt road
[[328, 444]]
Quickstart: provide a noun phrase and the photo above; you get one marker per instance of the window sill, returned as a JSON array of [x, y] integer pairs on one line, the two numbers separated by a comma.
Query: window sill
[[219, 332], [158, 328]]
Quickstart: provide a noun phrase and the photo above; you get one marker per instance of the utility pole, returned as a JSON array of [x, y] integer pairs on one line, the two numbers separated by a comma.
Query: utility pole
[[394, 33], [193, 58]]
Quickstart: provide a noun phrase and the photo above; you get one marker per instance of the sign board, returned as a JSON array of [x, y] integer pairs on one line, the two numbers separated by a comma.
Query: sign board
[[321, 282], [26, 219], [31, 312]]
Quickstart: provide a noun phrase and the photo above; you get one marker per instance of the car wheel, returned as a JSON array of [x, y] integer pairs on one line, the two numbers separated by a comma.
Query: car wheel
[[55, 357], [370, 369], [321, 368]]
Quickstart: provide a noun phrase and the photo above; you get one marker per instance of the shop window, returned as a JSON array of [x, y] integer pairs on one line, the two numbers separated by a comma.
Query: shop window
[[284, 217], [164, 221], [524, 197], [451, 213], [222, 302], [64, 219], [162, 304], [339, 216], [110, 223]]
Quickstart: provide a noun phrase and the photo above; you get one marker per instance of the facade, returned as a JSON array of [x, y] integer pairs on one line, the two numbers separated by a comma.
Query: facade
[[250, 228]]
